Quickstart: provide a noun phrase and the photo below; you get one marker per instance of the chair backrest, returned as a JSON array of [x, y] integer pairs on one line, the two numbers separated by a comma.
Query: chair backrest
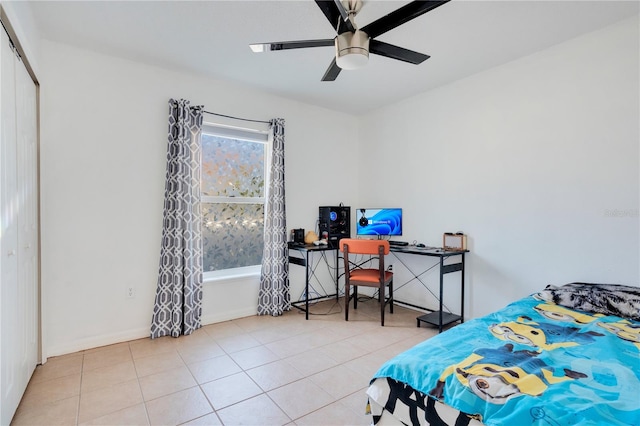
[[356, 246]]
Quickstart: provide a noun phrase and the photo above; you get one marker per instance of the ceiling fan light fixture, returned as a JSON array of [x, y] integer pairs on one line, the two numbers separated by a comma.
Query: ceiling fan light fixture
[[352, 50], [259, 47]]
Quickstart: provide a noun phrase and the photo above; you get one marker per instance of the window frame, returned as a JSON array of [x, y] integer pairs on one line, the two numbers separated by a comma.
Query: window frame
[[250, 135]]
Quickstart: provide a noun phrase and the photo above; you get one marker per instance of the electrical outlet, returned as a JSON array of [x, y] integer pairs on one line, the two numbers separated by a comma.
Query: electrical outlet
[[131, 292]]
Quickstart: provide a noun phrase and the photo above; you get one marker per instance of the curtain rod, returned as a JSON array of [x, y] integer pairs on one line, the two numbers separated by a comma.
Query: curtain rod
[[236, 118]]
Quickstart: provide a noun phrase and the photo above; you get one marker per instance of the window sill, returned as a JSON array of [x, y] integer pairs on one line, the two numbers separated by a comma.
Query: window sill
[[232, 275]]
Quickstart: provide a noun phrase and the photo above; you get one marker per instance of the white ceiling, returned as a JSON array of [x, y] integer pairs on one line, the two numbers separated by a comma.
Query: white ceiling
[[463, 37]]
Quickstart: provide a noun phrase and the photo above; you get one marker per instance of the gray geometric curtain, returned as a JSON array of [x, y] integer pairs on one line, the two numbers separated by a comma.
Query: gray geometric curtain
[[274, 297], [178, 305]]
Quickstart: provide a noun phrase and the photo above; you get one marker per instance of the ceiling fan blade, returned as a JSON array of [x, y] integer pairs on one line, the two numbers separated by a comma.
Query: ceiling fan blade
[[286, 45], [395, 52], [334, 15], [332, 72], [400, 16]]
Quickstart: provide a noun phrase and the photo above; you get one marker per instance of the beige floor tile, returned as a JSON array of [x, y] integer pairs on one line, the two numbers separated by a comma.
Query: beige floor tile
[[179, 407], [424, 334], [335, 414], [325, 336], [212, 369], [258, 322], [259, 410], [200, 351], [160, 362], [146, 347], [254, 357], [275, 374], [373, 340], [166, 382], [343, 351], [290, 346], [223, 329], [60, 412], [300, 398], [357, 401], [198, 337], [108, 400], [107, 376], [367, 365], [230, 390], [51, 390], [210, 419], [311, 362], [106, 355], [268, 335], [237, 343], [130, 416], [57, 367], [339, 381], [342, 330]]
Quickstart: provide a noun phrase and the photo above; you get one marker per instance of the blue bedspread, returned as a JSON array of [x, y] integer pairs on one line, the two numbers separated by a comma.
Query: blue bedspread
[[531, 363]]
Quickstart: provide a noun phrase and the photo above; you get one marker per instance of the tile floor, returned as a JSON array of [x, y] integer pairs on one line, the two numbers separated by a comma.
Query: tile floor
[[256, 370]]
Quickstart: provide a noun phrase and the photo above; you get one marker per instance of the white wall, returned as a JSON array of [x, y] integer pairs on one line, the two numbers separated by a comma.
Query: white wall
[[533, 160], [104, 124]]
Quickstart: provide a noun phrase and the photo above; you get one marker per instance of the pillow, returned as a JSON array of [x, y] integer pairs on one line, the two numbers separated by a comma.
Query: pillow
[[609, 299]]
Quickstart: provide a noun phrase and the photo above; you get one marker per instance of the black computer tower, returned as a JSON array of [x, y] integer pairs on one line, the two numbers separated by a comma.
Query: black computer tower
[[336, 222]]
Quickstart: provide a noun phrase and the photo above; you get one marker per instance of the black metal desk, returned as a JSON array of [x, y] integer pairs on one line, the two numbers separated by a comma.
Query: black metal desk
[[306, 251], [438, 318]]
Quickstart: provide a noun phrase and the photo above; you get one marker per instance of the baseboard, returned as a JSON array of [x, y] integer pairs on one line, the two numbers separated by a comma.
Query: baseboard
[[97, 341], [140, 333], [229, 315]]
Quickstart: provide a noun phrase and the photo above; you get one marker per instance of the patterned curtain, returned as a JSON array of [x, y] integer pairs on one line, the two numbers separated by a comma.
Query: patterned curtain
[[178, 305], [274, 297]]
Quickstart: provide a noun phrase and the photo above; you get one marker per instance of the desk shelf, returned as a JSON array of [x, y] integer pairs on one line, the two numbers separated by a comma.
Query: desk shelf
[[433, 318]]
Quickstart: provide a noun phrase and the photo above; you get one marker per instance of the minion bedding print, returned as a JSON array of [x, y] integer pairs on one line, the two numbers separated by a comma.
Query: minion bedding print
[[567, 355]]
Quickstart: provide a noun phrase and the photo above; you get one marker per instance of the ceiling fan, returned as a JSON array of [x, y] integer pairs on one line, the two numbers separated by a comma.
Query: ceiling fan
[[354, 44]]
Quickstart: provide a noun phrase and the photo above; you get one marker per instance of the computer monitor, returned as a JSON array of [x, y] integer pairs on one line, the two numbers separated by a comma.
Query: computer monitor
[[379, 222]]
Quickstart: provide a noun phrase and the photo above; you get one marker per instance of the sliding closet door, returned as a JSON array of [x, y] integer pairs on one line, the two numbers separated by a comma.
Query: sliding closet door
[[28, 231], [19, 226], [10, 361]]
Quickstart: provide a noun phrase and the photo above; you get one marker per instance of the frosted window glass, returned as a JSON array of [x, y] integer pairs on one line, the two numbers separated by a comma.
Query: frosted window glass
[[232, 235], [232, 167]]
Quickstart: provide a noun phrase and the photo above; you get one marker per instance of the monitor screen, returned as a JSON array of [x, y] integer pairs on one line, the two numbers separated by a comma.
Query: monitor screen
[[379, 222]]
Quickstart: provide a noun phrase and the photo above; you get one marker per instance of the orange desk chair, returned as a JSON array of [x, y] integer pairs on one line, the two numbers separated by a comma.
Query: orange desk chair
[[368, 277]]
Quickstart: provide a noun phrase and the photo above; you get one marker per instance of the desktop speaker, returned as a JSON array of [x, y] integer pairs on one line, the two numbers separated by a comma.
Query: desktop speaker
[[297, 236], [334, 223]]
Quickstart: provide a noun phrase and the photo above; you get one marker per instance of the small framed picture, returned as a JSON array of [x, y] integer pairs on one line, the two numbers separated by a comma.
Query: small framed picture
[[454, 241]]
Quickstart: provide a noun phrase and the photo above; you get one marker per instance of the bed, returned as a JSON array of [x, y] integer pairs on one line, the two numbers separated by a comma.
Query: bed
[[568, 355]]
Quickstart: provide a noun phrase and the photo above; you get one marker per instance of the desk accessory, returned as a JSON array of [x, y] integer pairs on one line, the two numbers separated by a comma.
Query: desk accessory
[[298, 235], [454, 241], [311, 237]]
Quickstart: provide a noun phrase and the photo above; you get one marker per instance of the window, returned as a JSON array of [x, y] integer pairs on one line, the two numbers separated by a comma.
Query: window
[[232, 199]]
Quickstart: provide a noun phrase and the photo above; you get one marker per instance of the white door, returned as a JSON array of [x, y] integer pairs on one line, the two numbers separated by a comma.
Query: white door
[[10, 388], [28, 254], [19, 237]]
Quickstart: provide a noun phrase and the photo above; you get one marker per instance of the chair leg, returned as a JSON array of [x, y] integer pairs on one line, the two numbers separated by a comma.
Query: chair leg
[[391, 295], [355, 297], [381, 293], [346, 302]]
